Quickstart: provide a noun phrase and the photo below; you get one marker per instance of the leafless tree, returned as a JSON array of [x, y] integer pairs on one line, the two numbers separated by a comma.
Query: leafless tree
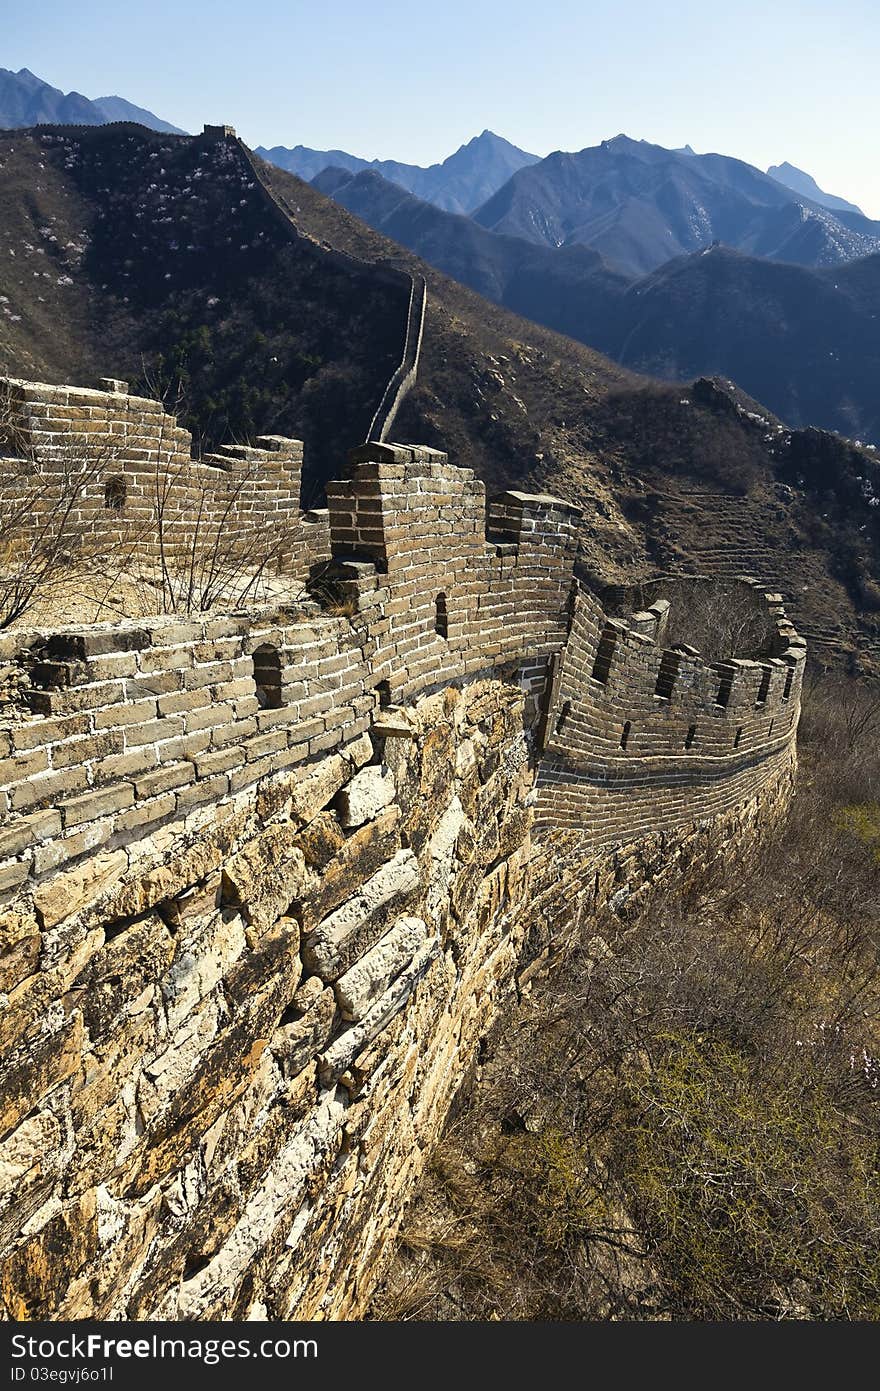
[[721, 620], [205, 547], [193, 544], [47, 536]]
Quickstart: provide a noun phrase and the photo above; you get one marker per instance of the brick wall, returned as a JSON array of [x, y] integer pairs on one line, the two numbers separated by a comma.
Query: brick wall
[[268, 877], [135, 467], [119, 726], [640, 737]]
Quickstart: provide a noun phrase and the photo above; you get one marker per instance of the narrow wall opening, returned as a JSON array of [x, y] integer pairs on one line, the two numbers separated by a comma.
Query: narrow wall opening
[[666, 676], [115, 493], [604, 655], [624, 735], [441, 616], [725, 686], [267, 676]]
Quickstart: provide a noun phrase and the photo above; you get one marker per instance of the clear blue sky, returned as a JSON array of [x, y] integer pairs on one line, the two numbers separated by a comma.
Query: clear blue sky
[[765, 80]]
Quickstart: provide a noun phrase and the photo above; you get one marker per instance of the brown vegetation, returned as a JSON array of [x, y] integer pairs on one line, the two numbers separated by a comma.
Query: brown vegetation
[[682, 1122]]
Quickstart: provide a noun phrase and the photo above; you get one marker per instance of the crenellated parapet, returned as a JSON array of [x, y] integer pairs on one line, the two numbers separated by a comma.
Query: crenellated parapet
[[116, 727], [446, 599], [642, 734], [268, 876], [124, 469]]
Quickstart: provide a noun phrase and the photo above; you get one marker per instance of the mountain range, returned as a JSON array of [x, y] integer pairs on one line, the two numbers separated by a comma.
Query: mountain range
[[641, 205], [26, 100], [461, 183], [804, 339], [638, 204], [167, 261]]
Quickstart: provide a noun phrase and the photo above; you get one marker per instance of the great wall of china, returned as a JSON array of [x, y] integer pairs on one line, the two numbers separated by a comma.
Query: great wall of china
[[270, 875]]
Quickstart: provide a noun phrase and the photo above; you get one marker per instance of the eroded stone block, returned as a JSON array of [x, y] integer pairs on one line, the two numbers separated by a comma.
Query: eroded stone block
[[346, 1047], [342, 937], [297, 1043], [368, 793], [359, 988]]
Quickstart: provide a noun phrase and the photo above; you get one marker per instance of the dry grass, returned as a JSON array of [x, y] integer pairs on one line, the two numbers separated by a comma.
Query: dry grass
[[682, 1123]]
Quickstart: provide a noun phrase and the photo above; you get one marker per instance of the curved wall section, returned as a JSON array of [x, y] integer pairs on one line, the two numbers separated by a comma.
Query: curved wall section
[[268, 877], [640, 737]]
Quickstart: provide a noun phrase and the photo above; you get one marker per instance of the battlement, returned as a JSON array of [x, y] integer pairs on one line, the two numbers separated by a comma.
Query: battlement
[[639, 733], [126, 472], [268, 875], [419, 584]]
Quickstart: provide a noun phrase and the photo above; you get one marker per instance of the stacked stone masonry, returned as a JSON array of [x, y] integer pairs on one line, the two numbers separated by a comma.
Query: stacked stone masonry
[[139, 483], [269, 880]]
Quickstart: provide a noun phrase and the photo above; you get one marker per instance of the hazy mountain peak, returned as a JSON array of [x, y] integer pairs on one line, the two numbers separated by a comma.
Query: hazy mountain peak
[[26, 76], [26, 100], [805, 184], [640, 205], [459, 183]]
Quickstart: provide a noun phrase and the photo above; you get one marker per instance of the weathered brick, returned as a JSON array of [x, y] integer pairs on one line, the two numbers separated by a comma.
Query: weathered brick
[[181, 701], [214, 714], [234, 732], [161, 683], [124, 765], [220, 761], [48, 787], [75, 752], [117, 715], [164, 778], [262, 744], [208, 675], [100, 802], [12, 874], [164, 659], [200, 792], [36, 733], [146, 813], [27, 830], [52, 853], [22, 766], [154, 730]]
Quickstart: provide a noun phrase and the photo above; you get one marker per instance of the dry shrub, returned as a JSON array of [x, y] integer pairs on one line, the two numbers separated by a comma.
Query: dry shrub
[[47, 536], [721, 620], [193, 547], [682, 1123]]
